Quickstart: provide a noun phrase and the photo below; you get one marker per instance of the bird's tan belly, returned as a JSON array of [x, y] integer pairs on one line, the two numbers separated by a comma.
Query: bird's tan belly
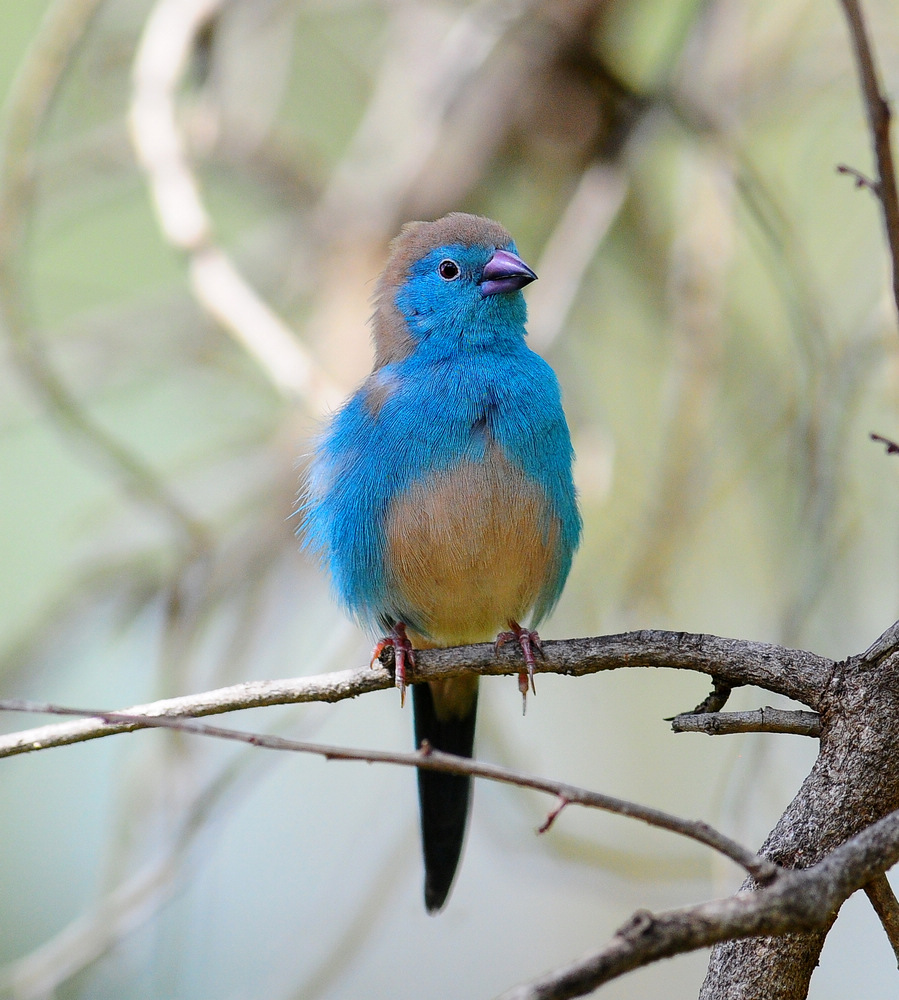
[[471, 549]]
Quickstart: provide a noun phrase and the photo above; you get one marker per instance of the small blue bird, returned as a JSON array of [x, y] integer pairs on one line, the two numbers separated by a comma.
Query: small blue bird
[[440, 495]]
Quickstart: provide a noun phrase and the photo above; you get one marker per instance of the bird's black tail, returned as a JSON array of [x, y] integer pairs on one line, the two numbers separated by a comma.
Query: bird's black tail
[[443, 798]]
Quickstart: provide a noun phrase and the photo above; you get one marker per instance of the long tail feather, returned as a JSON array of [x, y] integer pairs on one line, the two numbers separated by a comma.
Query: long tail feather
[[443, 798]]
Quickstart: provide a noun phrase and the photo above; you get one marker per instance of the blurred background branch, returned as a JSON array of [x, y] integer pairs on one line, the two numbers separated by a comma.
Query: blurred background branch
[[32, 99], [169, 38], [879, 117]]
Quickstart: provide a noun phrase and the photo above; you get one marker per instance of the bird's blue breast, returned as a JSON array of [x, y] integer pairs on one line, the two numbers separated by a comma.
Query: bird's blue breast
[[465, 456]]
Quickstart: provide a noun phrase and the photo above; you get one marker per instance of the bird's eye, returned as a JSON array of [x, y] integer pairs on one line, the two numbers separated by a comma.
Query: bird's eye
[[448, 270]]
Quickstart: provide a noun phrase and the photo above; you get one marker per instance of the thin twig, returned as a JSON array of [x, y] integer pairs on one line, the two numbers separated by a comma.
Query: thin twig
[[886, 906], [552, 816], [427, 759], [762, 720], [878, 110], [252, 694], [891, 446], [861, 180]]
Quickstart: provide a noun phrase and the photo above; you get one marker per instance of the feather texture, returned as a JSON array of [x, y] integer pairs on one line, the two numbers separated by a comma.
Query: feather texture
[[441, 494]]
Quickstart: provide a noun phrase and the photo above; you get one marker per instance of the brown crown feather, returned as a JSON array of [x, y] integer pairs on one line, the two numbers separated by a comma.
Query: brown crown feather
[[416, 240]]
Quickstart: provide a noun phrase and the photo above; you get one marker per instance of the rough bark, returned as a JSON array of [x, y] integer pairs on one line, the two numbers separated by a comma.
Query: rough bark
[[854, 782]]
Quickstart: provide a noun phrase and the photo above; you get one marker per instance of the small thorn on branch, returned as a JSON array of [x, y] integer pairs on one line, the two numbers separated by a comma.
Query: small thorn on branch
[[861, 180], [891, 446], [639, 926], [551, 818]]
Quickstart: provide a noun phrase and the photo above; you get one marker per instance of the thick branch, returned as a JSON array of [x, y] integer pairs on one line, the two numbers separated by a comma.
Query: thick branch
[[798, 901], [795, 673], [852, 786], [878, 110]]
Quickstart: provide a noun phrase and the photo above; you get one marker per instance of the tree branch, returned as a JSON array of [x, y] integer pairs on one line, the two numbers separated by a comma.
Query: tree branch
[[252, 694], [762, 720], [798, 901], [878, 110], [433, 760], [851, 787], [886, 906], [800, 675]]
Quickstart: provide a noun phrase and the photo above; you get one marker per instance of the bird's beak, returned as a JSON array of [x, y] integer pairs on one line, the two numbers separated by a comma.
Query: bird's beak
[[505, 272]]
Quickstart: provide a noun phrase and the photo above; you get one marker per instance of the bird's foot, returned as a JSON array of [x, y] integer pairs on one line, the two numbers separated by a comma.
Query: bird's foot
[[403, 655], [528, 641]]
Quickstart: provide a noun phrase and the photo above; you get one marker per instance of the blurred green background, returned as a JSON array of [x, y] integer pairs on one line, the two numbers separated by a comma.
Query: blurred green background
[[713, 296]]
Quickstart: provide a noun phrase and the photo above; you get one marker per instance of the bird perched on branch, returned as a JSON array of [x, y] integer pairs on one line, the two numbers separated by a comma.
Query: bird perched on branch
[[440, 495]]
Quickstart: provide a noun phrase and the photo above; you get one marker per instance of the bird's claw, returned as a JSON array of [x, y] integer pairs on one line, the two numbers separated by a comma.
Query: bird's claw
[[403, 655], [528, 640]]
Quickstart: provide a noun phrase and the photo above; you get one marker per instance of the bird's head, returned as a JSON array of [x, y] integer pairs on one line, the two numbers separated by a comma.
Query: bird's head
[[449, 284]]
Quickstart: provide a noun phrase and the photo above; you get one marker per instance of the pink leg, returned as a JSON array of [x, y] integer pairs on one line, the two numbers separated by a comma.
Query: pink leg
[[403, 654], [528, 641]]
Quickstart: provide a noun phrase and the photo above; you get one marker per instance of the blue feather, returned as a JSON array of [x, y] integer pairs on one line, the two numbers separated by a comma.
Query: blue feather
[[470, 364], [440, 497]]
